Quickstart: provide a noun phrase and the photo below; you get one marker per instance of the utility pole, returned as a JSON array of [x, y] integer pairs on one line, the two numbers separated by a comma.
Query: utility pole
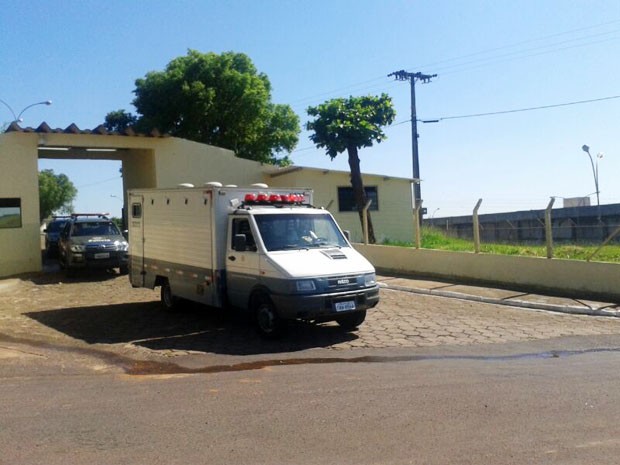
[[402, 75]]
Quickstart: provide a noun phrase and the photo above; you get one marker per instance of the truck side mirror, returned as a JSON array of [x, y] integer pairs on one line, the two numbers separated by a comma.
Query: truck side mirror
[[239, 242], [347, 234]]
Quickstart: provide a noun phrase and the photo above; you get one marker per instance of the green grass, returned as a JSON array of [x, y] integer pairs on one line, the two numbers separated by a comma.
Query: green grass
[[436, 239], [10, 221]]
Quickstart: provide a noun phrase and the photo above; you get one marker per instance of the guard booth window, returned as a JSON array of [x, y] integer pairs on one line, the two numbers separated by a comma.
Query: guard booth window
[[346, 199], [242, 226], [136, 210], [10, 213]]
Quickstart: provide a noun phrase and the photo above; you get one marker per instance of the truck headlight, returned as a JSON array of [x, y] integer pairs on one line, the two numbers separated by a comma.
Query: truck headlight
[[77, 248], [305, 285], [370, 279]]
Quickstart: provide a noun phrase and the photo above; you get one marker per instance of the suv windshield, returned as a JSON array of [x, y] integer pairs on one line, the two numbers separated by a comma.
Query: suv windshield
[[95, 228], [295, 231]]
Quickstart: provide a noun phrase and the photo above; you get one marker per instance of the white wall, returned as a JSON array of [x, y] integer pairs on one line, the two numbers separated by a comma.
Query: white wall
[[20, 250], [569, 277]]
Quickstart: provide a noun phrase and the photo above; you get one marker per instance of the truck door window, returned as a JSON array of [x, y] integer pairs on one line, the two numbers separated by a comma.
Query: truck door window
[[242, 226]]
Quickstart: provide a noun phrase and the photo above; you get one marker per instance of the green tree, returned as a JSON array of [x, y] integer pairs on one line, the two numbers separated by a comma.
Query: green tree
[[216, 99], [350, 124], [119, 120], [56, 193]]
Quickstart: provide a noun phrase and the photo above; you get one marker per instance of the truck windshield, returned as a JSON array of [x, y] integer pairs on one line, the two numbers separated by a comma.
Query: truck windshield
[[295, 231]]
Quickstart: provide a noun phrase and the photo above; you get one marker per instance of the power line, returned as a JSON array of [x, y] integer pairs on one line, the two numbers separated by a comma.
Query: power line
[[453, 66], [437, 64], [542, 107], [493, 113], [99, 182]]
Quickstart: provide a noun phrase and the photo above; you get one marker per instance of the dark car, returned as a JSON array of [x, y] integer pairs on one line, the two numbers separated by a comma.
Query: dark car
[[52, 233], [92, 241]]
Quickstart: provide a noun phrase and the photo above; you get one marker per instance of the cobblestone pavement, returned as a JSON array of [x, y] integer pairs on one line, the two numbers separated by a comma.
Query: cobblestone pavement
[[105, 312]]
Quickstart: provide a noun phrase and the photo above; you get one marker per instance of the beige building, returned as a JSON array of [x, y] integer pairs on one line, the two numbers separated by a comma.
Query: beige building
[[159, 161]]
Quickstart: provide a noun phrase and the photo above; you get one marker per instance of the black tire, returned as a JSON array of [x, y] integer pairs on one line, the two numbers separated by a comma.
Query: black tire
[[352, 320], [268, 323], [123, 269], [168, 300]]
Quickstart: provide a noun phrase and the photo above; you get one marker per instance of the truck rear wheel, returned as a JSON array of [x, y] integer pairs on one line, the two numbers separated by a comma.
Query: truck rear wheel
[[268, 322], [352, 320], [168, 300]]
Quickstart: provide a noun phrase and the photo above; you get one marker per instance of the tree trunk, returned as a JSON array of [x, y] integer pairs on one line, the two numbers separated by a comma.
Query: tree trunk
[[358, 190]]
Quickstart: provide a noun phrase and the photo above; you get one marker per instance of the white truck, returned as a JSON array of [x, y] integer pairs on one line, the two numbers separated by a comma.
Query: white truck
[[266, 251]]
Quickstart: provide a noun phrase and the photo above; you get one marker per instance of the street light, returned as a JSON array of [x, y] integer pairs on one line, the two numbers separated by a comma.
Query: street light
[[433, 216], [18, 118], [599, 155]]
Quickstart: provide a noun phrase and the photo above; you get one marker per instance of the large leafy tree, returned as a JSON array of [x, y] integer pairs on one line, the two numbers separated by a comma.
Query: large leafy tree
[[351, 124], [216, 99], [56, 193], [119, 120]]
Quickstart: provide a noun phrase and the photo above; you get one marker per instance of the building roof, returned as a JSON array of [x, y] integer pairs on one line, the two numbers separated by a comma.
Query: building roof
[[44, 128], [275, 171]]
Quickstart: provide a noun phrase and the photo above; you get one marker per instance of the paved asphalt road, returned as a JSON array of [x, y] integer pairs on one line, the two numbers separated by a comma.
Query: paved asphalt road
[[516, 405], [91, 371]]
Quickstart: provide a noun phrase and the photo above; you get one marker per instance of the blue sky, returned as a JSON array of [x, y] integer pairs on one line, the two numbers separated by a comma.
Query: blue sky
[[490, 56]]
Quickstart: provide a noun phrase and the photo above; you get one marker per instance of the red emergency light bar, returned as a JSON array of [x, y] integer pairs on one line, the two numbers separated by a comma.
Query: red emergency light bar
[[263, 198]]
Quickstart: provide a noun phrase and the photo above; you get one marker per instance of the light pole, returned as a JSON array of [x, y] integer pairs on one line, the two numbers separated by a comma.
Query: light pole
[[599, 155], [433, 216], [18, 118]]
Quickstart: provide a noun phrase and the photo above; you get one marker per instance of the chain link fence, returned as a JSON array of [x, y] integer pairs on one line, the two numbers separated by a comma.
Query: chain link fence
[[592, 228]]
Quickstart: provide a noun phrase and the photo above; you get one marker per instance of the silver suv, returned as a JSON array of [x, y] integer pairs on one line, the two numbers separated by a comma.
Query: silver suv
[[92, 241]]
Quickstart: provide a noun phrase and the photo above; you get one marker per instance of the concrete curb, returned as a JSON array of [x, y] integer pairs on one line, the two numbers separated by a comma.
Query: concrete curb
[[608, 310]]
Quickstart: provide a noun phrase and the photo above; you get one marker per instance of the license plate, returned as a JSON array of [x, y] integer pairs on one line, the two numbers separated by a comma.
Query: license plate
[[102, 255], [344, 306]]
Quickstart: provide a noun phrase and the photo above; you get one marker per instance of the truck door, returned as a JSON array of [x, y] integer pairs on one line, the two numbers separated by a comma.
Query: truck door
[[242, 272], [136, 240]]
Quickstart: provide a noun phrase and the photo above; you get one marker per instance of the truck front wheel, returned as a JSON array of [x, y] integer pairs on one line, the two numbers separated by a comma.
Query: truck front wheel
[[352, 320], [268, 322]]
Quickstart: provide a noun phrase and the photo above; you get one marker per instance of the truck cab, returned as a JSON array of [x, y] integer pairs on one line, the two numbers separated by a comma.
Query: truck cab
[[288, 263]]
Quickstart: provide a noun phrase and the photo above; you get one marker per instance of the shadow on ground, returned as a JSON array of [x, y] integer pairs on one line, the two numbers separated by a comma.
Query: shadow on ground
[[196, 328], [53, 273]]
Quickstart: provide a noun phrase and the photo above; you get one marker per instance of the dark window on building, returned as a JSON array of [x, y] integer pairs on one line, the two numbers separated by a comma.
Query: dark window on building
[[10, 213], [136, 210], [346, 199]]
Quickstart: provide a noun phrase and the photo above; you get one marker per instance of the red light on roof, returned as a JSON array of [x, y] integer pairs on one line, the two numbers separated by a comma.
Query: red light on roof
[[275, 198], [250, 197], [262, 197]]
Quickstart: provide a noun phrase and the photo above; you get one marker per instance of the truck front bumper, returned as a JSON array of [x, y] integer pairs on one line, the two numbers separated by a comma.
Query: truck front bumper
[[325, 306]]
